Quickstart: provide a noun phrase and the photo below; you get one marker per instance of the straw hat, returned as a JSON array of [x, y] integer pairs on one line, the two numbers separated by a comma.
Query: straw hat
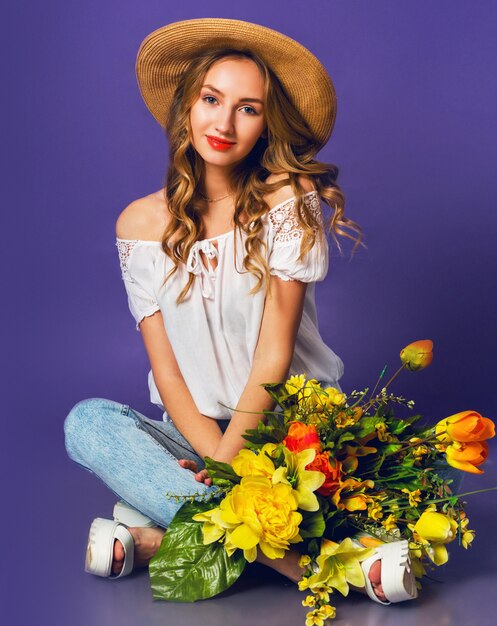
[[164, 55]]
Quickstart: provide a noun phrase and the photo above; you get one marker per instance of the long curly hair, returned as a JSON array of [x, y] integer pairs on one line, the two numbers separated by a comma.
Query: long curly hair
[[287, 147]]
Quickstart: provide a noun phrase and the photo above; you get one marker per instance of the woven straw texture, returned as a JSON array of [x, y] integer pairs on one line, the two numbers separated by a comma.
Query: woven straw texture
[[165, 54]]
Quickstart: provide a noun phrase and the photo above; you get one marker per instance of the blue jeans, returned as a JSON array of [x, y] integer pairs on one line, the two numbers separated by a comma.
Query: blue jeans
[[136, 457]]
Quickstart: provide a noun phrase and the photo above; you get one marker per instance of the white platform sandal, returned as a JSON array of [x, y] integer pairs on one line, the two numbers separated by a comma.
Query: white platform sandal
[[103, 533], [397, 578]]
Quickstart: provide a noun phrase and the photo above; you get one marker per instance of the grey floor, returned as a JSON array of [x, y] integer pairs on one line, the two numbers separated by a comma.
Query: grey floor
[[50, 586]]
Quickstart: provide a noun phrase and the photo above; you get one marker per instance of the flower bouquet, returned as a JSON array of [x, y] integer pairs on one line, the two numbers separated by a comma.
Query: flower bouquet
[[335, 476]]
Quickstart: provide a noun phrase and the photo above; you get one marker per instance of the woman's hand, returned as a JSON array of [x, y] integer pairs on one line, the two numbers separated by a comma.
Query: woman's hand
[[201, 477]]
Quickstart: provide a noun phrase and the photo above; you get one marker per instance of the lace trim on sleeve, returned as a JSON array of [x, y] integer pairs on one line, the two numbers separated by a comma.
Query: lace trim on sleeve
[[124, 248], [284, 221]]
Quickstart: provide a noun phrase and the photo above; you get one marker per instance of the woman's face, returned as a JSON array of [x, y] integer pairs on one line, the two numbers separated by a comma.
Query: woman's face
[[228, 117]]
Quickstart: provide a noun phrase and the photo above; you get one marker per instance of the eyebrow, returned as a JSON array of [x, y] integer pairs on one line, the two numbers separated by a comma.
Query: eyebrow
[[212, 88]]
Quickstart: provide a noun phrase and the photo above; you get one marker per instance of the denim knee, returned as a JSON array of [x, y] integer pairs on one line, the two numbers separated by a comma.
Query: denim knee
[[87, 419]]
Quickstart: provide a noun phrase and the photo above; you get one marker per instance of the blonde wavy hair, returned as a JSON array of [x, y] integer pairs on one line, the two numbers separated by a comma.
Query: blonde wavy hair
[[287, 147]]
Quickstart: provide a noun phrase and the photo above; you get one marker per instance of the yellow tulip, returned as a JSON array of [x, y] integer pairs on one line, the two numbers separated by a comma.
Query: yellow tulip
[[434, 530], [465, 427], [417, 355]]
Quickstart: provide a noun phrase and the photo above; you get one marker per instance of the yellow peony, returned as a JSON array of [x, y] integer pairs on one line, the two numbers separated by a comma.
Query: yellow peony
[[255, 513]]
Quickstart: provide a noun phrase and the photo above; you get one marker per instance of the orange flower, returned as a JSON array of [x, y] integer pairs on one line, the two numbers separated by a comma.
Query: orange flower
[[417, 355], [467, 456], [350, 495], [465, 427], [331, 468], [301, 437]]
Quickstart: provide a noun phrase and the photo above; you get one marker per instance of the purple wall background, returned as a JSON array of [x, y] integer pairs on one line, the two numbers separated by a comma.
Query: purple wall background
[[415, 141]]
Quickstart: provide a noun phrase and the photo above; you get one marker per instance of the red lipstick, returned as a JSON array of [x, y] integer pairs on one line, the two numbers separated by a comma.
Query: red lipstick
[[219, 144]]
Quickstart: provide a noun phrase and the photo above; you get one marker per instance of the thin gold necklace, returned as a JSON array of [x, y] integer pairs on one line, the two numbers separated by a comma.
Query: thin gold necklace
[[214, 199]]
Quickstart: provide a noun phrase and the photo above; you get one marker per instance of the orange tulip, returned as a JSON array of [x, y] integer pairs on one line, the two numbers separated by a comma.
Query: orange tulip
[[301, 437], [467, 456], [465, 426], [417, 355]]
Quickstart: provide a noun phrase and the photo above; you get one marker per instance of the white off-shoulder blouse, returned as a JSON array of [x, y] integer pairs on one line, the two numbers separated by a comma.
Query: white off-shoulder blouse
[[214, 331]]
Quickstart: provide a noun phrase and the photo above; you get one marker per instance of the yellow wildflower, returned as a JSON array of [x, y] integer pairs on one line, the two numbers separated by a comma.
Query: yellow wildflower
[[420, 450], [467, 535], [313, 618], [304, 560], [304, 482], [304, 388], [335, 397], [344, 419], [390, 523], [322, 591], [382, 433], [327, 611], [375, 511], [414, 496], [303, 584], [309, 601]]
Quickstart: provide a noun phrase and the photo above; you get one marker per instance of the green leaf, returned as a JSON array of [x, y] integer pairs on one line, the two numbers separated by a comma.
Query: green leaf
[[398, 426], [312, 525], [346, 436], [222, 474], [184, 569], [367, 425], [273, 431]]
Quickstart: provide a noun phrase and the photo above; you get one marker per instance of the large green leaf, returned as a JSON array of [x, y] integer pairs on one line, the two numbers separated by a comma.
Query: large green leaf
[[312, 524], [184, 569]]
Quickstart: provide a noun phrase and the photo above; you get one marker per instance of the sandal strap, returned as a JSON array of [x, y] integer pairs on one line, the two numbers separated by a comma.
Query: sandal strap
[[124, 536], [100, 549], [397, 578]]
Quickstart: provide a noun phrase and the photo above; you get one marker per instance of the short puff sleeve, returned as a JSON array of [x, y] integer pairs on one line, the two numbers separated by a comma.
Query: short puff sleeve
[[137, 260], [285, 237]]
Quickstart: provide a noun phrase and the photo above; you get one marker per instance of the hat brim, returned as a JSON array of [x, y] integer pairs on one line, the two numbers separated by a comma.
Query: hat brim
[[165, 54]]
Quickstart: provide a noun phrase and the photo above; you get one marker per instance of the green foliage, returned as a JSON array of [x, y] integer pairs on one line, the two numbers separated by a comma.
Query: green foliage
[[273, 431], [186, 570], [312, 525], [222, 474]]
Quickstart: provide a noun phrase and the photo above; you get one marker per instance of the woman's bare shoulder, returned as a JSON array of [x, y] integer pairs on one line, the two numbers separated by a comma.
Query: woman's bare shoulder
[[286, 192], [144, 219]]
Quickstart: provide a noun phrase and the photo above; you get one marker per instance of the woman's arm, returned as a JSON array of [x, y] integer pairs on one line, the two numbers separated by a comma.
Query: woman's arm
[[275, 347], [202, 432], [146, 219], [272, 360]]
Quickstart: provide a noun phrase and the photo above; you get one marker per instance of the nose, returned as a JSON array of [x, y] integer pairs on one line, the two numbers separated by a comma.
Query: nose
[[225, 121]]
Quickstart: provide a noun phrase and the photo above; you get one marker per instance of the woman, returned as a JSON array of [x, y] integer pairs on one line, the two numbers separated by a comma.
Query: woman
[[219, 268]]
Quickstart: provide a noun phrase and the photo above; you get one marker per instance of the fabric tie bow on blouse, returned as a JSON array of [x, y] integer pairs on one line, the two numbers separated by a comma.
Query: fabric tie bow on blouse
[[195, 265]]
